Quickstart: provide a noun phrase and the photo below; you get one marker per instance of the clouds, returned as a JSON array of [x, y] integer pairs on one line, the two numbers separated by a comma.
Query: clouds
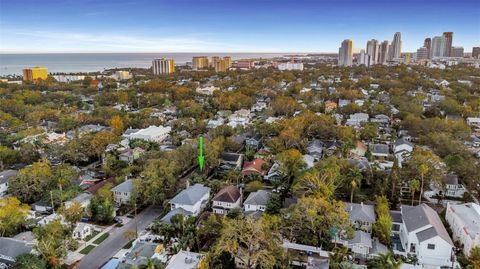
[[64, 41]]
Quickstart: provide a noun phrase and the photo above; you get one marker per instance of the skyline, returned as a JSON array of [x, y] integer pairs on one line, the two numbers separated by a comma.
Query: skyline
[[304, 26]]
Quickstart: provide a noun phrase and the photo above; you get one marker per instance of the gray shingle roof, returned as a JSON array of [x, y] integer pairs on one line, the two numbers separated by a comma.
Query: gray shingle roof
[[379, 148], [416, 217], [402, 141], [177, 211], [126, 186], [259, 197], [12, 248], [6, 175], [361, 212], [361, 237], [190, 195]]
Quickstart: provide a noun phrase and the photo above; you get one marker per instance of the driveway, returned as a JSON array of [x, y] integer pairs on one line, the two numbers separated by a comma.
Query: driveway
[[103, 252]]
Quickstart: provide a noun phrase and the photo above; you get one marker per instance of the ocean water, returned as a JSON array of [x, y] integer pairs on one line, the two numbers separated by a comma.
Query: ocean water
[[12, 64]]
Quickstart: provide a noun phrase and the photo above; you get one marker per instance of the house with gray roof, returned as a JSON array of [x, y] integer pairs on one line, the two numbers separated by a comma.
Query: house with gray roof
[[5, 177], [122, 192], [379, 150], [464, 221], [361, 216], [10, 248], [192, 199], [257, 201], [422, 234]]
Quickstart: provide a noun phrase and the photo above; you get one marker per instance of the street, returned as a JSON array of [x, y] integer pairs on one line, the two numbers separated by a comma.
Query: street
[[102, 253]]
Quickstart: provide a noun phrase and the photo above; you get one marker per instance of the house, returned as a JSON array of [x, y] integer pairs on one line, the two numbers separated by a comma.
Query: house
[[361, 216], [208, 90], [360, 244], [422, 234], [11, 248], [140, 255], [464, 221], [192, 199], [473, 122], [130, 155], [257, 201], [226, 199], [82, 230], [122, 192], [255, 167], [231, 161], [357, 119], [449, 188], [305, 256], [402, 149], [5, 177], [315, 149], [379, 150], [254, 142], [152, 133], [330, 106], [240, 117], [214, 123], [185, 260], [274, 173], [83, 199]]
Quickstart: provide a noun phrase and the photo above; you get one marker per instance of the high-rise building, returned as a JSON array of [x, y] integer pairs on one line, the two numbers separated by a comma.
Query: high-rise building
[[428, 45], [35, 73], [228, 60], [373, 49], [364, 58], [476, 52], [199, 62], [457, 52], [383, 55], [397, 46], [438, 47], [222, 65], [163, 66], [422, 53], [448, 44], [214, 61], [345, 53]]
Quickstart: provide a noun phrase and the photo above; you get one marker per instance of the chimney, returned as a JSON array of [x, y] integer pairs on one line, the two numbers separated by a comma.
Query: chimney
[[188, 183], [361, 204]]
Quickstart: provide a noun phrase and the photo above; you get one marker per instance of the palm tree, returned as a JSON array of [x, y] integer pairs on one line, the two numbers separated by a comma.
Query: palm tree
[[414, 186], [423, 170], [385, 261], [356, 177]]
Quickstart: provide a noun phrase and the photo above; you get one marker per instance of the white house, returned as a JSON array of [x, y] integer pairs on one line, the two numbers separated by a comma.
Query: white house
[[5, 177], [122, 192], [473, 122], [152, 133], [240, 117], [422, 234], [82, 230], [464, 221], [379, 150], [192, 199], [361, 216], [257, 201], [450, 187], [227, 199], [357, 119], [83, 199], [402, 149], [185, 260], [208, 90]]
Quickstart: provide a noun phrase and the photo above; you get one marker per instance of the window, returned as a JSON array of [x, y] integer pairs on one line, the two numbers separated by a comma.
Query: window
[[431, 246]]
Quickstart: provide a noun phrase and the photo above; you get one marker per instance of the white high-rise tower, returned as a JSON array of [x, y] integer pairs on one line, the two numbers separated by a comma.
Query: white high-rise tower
[[345, 53], [397, 45]]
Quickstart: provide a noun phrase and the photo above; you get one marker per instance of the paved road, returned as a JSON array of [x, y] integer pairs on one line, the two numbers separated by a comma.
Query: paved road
[[102, 253]]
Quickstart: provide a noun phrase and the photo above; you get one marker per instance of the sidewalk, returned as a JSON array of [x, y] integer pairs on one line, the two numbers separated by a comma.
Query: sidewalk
[[76, 255]]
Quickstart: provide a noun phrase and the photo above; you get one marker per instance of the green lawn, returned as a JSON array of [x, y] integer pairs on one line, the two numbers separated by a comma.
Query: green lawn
[[101, 238], [87, 249], [88, 238], [128, 245]]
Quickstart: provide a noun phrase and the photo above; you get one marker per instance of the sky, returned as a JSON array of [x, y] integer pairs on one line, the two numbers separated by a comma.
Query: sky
[[55, 26]]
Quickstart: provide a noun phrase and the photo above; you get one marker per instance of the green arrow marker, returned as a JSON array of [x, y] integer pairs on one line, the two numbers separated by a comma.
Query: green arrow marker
[[200, 156]]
